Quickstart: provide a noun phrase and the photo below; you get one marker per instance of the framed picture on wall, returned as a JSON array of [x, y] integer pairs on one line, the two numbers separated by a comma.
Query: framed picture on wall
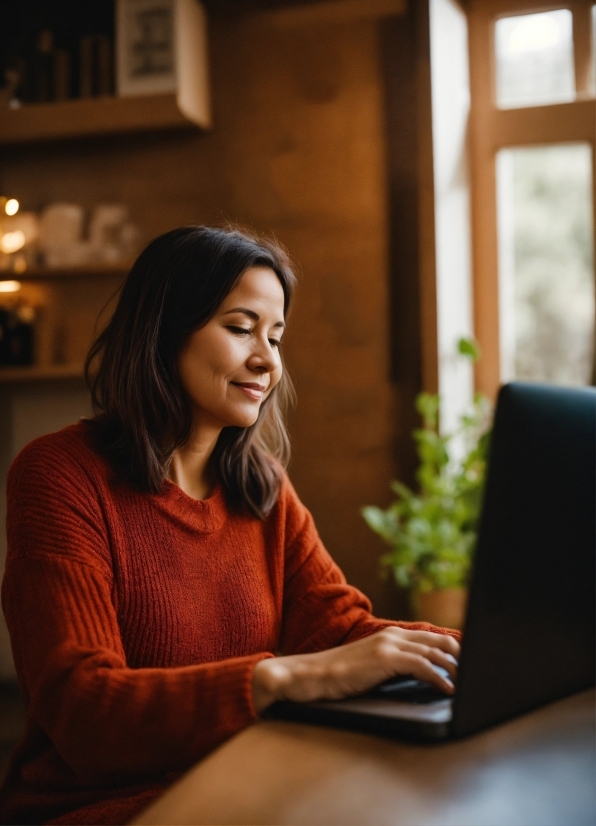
[[145, 47]]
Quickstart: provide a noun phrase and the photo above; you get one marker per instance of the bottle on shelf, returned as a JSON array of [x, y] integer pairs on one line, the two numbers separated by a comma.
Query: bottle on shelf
[[43, 73], [96, 76]]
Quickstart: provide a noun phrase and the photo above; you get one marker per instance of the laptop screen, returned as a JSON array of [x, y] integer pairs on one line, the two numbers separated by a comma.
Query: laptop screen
[[529, 635]]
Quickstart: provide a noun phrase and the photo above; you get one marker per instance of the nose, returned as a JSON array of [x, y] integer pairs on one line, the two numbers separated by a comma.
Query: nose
[[264, 358]]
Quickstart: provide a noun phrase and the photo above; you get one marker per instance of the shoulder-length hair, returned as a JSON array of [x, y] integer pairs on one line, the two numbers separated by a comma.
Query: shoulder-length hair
[[142, 414]]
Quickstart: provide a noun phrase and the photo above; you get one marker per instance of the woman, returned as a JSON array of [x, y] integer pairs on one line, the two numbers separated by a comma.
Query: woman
[[164, 584]]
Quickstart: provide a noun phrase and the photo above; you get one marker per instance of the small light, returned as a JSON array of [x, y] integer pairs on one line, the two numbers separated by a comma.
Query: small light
[[26, 314], [11, 207], [12, 241], [10, 286]]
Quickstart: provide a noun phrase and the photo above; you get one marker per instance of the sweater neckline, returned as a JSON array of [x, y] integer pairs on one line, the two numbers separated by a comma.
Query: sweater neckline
[[202, 515]]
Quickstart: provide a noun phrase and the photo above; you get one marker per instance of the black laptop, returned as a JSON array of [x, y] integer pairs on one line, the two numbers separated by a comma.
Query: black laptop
[[529, 635]]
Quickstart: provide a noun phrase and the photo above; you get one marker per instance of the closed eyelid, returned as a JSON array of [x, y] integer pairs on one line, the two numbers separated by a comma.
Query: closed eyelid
[[236, 328]]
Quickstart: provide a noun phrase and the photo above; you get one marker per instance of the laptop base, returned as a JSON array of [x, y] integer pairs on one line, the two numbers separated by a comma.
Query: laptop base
[[428, 722]]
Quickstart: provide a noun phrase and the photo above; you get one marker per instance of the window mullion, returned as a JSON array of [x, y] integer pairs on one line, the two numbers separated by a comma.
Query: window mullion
[[582, 49], [555, 123]]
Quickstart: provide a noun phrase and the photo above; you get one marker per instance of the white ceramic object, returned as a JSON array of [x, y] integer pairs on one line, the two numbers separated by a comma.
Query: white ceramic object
[[105, 226], [61, 224], [60, 235], [112, 236]]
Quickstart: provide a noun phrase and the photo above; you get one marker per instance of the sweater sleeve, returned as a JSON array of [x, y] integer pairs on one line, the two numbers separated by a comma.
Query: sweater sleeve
[[106, 720], [320, 609]]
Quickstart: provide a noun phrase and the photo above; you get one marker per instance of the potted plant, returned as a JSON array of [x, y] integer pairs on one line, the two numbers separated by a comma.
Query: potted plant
[[432, 532]]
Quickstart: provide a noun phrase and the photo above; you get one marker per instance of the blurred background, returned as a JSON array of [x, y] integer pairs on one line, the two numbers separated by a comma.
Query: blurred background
[[428, 164]]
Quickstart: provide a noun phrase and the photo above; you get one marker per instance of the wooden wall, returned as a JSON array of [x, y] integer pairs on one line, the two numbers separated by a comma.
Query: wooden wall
[[298, 148]]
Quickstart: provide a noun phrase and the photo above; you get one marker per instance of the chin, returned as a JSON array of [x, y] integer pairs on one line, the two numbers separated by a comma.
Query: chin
[[243, 418]]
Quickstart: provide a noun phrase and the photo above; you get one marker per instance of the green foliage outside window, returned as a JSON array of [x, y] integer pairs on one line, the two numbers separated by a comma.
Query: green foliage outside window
[[432, 532]]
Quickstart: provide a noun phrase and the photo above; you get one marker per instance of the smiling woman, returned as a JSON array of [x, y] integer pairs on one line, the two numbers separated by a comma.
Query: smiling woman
[[164, 583], [173, 336], [228, 368]]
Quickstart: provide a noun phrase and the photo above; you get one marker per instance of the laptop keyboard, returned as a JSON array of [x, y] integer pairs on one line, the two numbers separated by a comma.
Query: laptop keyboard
[[407, 690]]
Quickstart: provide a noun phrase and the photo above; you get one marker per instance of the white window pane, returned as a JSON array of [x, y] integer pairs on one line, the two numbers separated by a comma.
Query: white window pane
[[534, 59], [546, 272]]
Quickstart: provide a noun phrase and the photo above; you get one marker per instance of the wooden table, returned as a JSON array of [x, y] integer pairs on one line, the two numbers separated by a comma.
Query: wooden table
[[537, 770]]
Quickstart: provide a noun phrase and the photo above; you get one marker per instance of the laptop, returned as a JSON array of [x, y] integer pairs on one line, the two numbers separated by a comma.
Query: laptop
[[529, 635]]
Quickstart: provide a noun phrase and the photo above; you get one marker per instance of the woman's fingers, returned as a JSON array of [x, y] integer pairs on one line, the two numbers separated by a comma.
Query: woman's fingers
[[421, 668], [392, 642], [433, 655], [446, 643], [437, 649]]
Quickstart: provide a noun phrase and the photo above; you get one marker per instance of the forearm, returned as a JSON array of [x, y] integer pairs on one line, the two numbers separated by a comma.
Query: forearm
[[104, 717], [278, 678], [116, 722], [268, 683]]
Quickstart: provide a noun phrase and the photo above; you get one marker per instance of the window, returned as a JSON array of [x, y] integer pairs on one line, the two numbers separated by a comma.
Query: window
[[533, 132], [534, 59], [546, 282]]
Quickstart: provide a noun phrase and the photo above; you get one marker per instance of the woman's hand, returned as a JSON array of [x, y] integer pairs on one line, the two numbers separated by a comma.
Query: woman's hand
[[355, 667]]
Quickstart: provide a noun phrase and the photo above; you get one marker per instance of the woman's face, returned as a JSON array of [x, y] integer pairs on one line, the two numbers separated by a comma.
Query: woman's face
[[229, 366]]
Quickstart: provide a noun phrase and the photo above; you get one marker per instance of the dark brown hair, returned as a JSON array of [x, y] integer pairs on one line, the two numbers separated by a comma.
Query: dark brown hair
[[142, 413]]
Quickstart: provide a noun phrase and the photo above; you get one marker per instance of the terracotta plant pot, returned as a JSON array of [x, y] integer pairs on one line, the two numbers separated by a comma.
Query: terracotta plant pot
[[446, 607]]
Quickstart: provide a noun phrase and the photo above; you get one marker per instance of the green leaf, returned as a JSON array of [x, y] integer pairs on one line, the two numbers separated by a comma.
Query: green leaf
[[402, 490], [469, 347], [374, 518], [427, 404]]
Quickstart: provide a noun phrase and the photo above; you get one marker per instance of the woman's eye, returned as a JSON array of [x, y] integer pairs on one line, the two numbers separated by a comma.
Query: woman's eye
[[275, 342], [239, 331]]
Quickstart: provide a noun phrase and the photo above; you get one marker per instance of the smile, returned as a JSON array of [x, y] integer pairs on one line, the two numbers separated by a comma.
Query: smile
[[253, 391]]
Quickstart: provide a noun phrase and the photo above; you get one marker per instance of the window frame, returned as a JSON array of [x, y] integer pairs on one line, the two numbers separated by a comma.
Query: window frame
[[492, 129]]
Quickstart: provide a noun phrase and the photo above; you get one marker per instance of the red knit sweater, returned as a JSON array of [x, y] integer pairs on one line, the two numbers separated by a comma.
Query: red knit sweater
[[136, 621]]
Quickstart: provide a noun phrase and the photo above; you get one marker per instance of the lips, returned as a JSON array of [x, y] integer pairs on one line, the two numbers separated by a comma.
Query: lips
[[251, 389]]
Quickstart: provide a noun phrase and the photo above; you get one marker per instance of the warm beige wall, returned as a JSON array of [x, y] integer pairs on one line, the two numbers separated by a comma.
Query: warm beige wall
[[297, 148]]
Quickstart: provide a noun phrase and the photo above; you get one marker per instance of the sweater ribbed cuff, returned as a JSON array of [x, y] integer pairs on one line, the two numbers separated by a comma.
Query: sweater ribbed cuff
[[247, 691]]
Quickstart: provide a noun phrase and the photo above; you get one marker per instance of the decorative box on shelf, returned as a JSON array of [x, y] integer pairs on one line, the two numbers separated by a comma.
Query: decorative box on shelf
[[162, 80]]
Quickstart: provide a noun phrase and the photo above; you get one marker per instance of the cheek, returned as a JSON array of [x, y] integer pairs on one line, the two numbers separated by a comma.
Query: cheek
[[213, 359], [230, 355]]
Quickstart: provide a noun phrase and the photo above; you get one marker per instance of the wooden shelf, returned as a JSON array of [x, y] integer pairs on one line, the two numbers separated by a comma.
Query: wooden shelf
[[59, 273], [93, 116], [184, 103], [36, 372], [69, 304]]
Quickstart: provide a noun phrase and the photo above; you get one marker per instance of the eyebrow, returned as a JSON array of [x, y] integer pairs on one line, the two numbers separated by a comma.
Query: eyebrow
[[253, 315]]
